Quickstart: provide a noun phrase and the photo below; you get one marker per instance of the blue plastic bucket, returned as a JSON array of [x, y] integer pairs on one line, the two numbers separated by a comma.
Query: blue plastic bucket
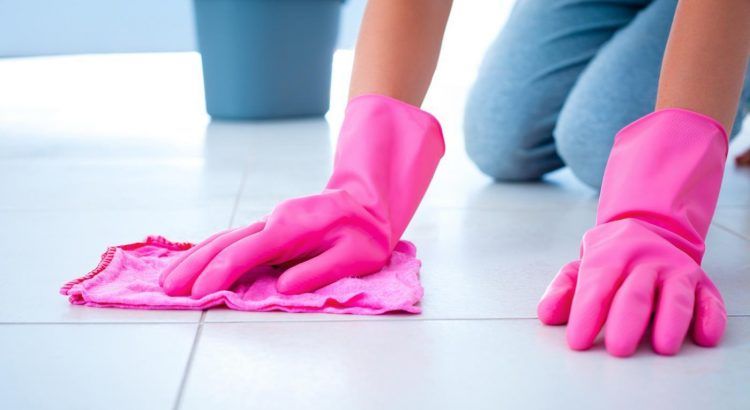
[[266, 58]]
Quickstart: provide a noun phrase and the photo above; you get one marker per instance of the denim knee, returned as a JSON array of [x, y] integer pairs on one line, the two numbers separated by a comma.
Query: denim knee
[[504, 140], [584, 144]]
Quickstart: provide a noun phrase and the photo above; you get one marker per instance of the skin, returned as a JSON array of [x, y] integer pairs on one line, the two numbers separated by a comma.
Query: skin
[[398, 48], [705, 61], [706, 58]]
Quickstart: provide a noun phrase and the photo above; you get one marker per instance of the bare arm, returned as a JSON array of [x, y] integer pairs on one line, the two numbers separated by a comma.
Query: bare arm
[[706, 57], [398, 47]]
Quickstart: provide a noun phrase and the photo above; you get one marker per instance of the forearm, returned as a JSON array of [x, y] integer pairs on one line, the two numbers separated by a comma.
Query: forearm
[[706, 57], [398, 47]]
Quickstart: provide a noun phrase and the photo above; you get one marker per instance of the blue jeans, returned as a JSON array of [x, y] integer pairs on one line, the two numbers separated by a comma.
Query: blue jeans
[[562, 78]]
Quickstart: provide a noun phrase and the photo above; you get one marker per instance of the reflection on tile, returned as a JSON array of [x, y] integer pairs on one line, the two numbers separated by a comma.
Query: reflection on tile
[[100, 96], [288, 165], [458, 183], [92, 366], [473, 364]]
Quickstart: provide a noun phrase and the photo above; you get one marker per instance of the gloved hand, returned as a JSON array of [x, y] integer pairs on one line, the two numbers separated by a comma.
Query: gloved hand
[[386, 156], [643, 256]]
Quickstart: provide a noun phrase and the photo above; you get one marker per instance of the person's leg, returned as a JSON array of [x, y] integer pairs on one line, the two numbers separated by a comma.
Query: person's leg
[[618, 87], [527, 75]]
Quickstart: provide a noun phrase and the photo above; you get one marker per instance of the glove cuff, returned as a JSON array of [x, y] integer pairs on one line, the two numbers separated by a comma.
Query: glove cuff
[[386, 156], [665, 170]]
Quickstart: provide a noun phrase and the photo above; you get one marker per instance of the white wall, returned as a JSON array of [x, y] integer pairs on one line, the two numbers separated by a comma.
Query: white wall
[[38, 27]]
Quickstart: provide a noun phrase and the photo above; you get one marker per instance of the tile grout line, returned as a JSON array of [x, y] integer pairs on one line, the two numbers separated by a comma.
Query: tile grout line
[[189, 364], [123, 323], [199, 329], [238, 197], [203, 322], [447, 319], [731, 231], [458, 319]]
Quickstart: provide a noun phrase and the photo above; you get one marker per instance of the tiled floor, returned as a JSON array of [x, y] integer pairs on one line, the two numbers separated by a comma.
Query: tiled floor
[[96, 150]]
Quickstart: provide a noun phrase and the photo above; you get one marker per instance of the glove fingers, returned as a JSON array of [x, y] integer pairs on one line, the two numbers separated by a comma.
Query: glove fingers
[[593, 295], [324, 269], [233, 261], [179, 281], [630, 312], [187, 253], [554, 307], [710, 315], [673, 314]]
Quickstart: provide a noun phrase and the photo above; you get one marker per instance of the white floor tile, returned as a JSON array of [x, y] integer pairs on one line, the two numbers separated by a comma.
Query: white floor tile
[[103, 140], [287, 164], [100, 150], [106, 184], [41, 250], [452, 364], [735, 190], [734, 219], [458, 183], [92, 366], [288, 159], [727, 262]]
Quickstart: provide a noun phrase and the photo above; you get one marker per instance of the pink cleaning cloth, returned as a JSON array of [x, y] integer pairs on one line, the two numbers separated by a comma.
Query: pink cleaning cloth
[[128, 277]]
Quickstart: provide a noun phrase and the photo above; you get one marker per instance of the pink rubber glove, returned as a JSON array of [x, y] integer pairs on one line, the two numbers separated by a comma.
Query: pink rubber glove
[[643, 256], [386, 156]]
